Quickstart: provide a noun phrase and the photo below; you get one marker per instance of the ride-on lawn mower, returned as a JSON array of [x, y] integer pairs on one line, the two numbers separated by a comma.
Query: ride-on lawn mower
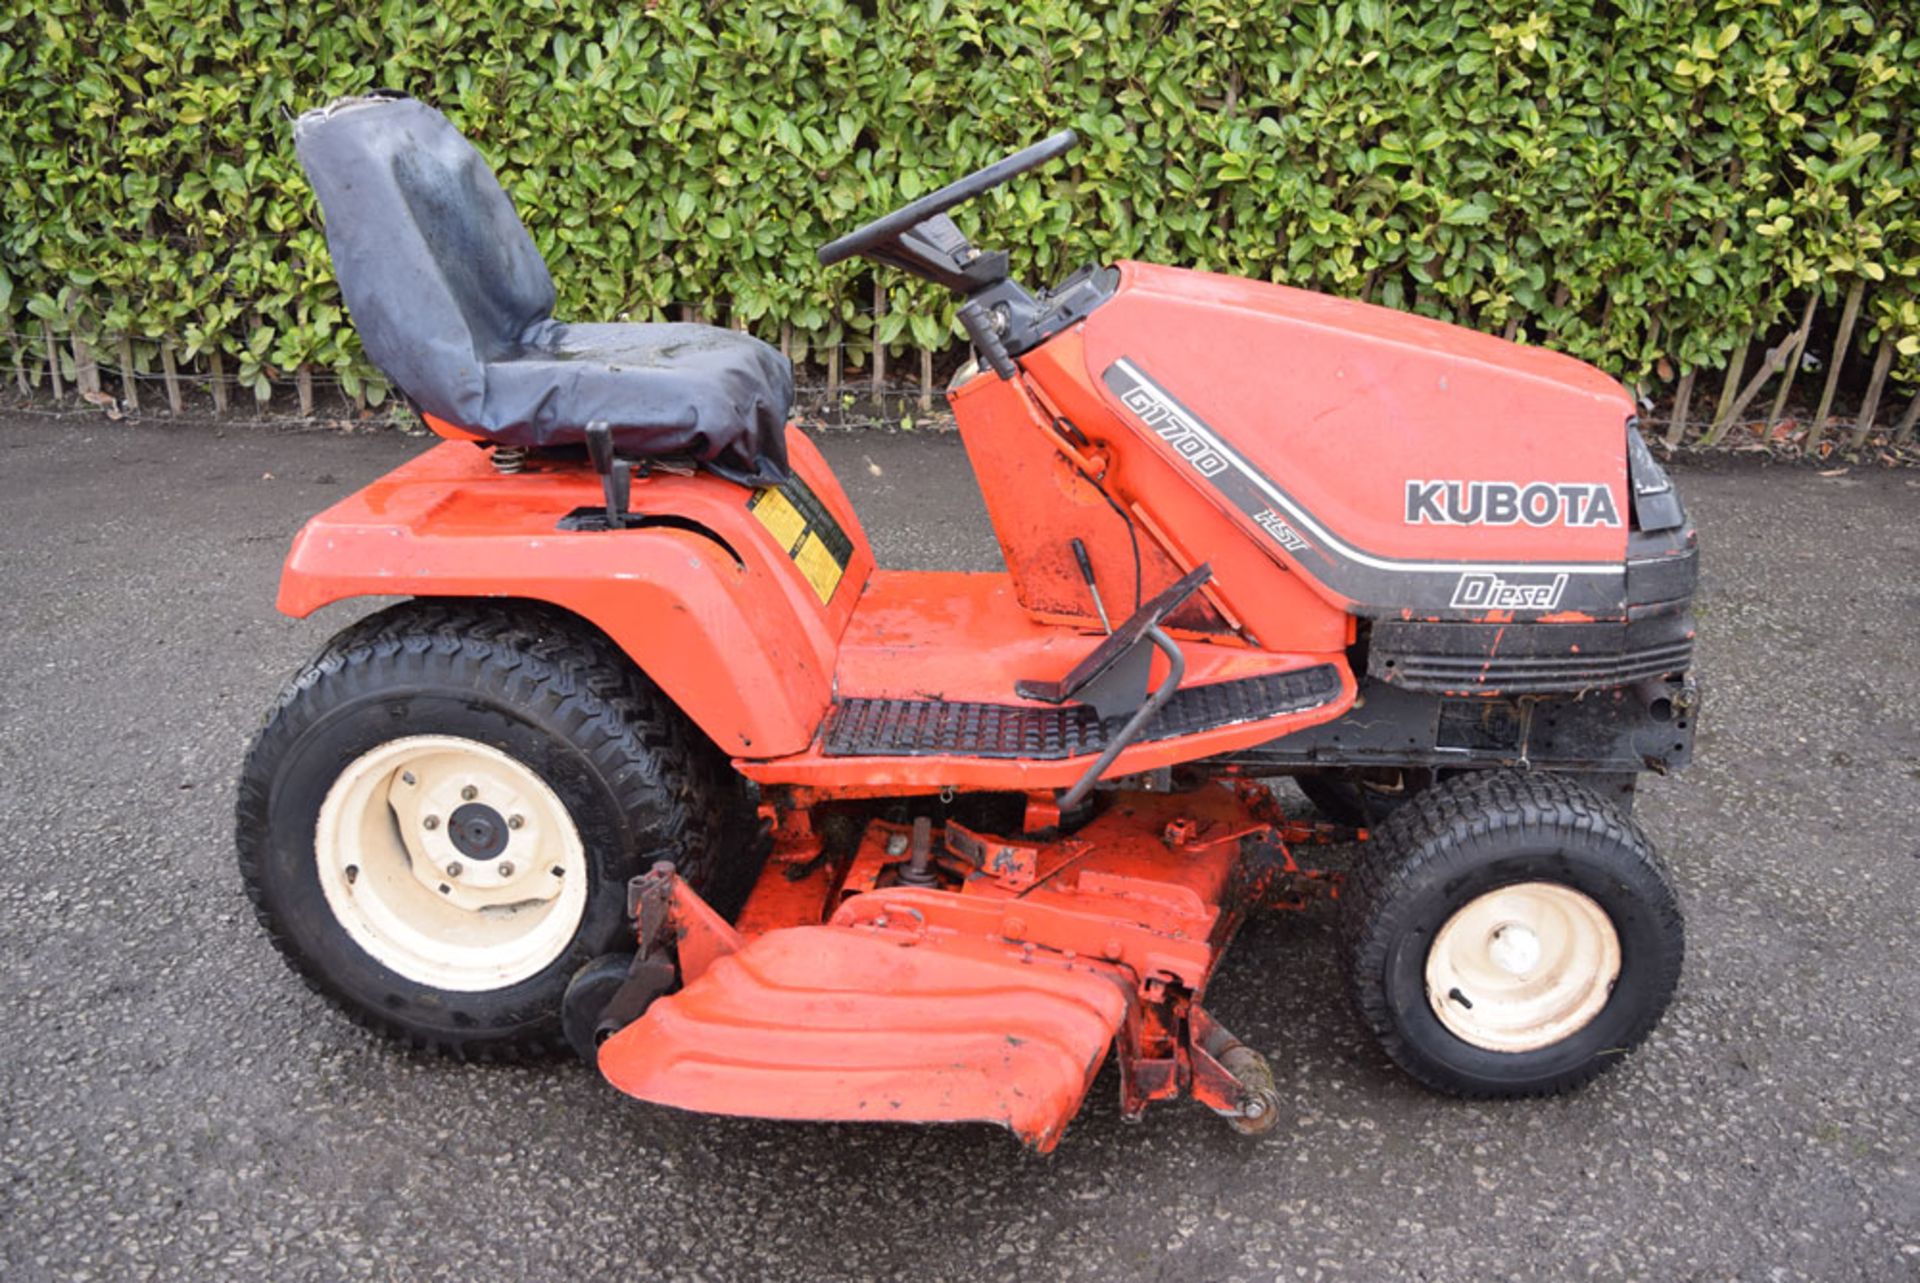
[[654, 758]]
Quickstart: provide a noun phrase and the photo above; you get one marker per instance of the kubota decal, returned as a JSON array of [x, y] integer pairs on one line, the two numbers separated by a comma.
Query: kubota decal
[[1508, 503], [1376, 584]]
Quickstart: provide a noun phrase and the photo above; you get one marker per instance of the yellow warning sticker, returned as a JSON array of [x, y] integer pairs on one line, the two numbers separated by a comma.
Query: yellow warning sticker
[[816, 564], [801, 524], [780, 517]]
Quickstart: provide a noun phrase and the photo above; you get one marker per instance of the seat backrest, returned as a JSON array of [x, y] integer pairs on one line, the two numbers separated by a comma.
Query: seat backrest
[[436, 268]]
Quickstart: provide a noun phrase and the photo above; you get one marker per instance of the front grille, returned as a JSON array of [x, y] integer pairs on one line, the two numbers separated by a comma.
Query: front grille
[[1533, 674]]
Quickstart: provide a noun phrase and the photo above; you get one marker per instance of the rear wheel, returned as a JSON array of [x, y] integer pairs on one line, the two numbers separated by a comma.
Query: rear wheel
[[1510, 935], [438, 821]]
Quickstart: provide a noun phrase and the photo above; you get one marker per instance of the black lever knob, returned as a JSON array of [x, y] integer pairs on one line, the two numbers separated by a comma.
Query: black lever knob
[[979, 327]]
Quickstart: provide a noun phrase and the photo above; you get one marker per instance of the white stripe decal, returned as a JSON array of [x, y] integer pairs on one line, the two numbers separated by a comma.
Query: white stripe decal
[[1326, 537]]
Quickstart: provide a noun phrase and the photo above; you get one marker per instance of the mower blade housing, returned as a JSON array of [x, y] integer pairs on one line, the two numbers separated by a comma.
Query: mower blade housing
[[873, 1023]]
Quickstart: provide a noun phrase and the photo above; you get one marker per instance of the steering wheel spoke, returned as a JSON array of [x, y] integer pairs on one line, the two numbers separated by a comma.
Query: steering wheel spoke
[[921, 239]]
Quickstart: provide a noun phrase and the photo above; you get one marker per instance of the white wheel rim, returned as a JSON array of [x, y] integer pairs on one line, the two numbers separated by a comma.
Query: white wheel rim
[[1523, 967], [469, 906]]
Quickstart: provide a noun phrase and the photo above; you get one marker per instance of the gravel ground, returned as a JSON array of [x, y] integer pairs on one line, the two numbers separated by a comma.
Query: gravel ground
[[175, 1104]]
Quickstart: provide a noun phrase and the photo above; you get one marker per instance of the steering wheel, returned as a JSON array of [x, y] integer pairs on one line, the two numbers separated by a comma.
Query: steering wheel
[[889, 228]]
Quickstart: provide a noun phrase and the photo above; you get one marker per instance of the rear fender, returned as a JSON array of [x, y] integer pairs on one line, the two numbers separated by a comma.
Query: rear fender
[[702, 596]]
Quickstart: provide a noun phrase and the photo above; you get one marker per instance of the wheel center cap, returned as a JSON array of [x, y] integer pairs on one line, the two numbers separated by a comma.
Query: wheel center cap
[[477, 831], [1514, 949]]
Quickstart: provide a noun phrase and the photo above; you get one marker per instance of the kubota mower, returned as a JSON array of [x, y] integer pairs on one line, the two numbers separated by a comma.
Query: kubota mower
[[652, 757]]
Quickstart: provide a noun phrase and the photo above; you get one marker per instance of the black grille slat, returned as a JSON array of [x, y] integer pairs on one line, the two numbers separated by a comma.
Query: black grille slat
[[1537, 674], [931, 727]]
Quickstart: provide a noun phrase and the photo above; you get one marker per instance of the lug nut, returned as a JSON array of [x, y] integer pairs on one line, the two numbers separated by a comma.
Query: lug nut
[[406, 777], [468, 793], [431, 823], [506, 868], [515, 821], [558, 871], [353, 873], [453, 868]]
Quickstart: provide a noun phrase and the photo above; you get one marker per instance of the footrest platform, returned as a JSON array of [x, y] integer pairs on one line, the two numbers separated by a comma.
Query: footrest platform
[[931, 728]]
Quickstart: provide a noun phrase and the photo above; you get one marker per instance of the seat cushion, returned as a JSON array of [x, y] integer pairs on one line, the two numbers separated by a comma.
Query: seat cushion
[[716, 396], [454, 303]]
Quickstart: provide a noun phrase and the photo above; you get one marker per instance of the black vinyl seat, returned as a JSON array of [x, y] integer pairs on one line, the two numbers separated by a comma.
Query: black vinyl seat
[[455, 305]]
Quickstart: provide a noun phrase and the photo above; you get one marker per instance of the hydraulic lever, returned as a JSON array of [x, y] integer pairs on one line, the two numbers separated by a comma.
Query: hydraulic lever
[[616, 475]]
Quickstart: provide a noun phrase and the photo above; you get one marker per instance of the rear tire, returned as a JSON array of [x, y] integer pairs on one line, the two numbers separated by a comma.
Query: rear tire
[[1510, 934], [522, 736]]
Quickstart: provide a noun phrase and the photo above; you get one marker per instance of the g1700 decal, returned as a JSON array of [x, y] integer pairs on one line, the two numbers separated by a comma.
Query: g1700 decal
[[1176, 429], [1508, 503]]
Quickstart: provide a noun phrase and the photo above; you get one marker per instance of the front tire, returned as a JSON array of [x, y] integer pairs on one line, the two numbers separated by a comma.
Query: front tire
[[1510, 934], [438, 821]]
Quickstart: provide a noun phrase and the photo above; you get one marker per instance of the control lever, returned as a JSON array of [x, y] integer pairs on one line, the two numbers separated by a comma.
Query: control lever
[[1176, 671], [616, 475], [979, 327], [1086, 573]]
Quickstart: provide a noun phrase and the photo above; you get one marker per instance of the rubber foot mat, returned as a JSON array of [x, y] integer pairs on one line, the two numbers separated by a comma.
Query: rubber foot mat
[[938, 728]]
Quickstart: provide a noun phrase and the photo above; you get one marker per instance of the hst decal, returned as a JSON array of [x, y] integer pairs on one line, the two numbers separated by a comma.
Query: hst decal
[[1283, 534], [1509, 503]]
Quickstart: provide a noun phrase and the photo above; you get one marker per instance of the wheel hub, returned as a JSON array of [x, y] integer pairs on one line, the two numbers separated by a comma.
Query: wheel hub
[[1514, 948], [451, 862], [1522, 967], [478, 831]]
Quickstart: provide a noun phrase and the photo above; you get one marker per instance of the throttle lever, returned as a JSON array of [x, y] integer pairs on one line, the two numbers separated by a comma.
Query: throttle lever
[[979, 327]]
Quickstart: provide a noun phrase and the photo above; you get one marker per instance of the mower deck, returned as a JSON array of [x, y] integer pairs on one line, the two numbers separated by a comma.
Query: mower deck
[[845, 992]]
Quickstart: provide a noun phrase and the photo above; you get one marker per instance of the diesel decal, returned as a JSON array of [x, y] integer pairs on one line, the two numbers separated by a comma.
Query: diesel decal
[[1491, 592], [1175, 429], [1508, 503]]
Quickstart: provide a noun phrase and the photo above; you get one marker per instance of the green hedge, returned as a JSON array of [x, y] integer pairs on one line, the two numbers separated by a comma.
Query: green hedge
[[1643, 183]]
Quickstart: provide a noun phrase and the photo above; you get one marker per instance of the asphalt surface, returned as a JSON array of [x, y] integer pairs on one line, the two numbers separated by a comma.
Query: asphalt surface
[[174, 1104]]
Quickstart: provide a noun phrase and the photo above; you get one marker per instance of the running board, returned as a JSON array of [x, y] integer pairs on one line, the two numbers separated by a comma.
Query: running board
[[937, 728]]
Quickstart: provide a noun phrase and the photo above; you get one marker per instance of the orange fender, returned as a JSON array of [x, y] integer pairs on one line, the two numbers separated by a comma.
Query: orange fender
[[702, 596]]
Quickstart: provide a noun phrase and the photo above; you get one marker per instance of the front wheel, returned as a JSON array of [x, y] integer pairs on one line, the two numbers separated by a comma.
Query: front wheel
[[438, 821], [1510, 935]]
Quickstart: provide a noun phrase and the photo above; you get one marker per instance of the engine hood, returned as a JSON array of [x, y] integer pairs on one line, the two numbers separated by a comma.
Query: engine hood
[[1409, 468]]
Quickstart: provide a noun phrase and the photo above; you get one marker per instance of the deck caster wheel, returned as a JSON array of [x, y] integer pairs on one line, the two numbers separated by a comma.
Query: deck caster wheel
[[1260, 1103], [588, 995], [1510, 934], [439, 819]]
